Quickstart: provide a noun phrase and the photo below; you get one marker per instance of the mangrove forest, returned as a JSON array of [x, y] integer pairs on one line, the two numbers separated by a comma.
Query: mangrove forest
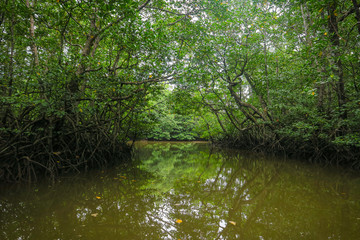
[[82, 80]]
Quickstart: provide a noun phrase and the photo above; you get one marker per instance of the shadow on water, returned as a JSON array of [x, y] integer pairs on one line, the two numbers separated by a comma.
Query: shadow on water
[[188, 191]]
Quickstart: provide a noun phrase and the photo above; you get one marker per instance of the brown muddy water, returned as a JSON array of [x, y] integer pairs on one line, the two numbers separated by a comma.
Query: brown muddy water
[[184, 191]]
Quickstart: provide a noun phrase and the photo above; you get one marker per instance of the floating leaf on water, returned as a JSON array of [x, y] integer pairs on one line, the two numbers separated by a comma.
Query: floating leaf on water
[[232, 222], [178, 221]]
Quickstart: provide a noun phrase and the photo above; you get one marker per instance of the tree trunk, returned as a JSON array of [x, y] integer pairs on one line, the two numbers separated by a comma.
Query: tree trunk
[[32, 33], [5, 109], [243, 106], [306, 26], [266, 71], [357, 17], [338, 69]]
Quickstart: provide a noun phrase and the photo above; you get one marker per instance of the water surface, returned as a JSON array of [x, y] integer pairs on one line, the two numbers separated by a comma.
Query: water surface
[[188, 191]]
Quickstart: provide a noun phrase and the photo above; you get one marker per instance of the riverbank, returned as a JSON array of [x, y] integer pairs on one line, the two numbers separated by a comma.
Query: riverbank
[[314, 150], [27, 158]]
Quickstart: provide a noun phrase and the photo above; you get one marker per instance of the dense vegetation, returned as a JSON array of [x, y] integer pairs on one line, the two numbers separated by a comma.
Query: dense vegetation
[[81, 78]]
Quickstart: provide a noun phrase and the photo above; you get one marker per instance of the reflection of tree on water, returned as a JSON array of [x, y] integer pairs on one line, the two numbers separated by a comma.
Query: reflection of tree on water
[[263, 199], [235, 193]]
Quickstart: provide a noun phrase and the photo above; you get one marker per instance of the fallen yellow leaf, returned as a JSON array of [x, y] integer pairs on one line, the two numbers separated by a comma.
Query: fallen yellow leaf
[[178, 221], [232, 222]]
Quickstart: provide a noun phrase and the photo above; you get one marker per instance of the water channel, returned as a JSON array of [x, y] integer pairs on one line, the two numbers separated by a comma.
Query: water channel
[[185, 190]]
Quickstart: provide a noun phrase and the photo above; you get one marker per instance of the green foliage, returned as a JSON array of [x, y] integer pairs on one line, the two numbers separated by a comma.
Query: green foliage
[[169, 124]]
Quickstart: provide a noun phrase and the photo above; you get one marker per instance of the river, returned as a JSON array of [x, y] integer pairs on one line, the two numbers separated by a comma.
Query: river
[[185, 190]]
